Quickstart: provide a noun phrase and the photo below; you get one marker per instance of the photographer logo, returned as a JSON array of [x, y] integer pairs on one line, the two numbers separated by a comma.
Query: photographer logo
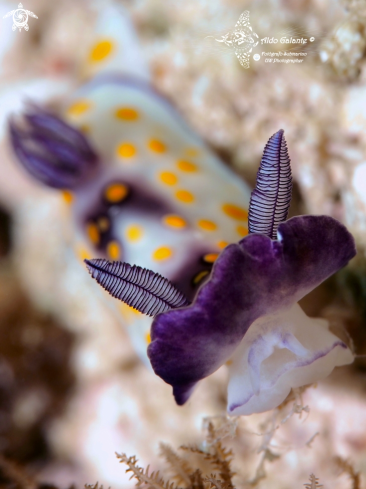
[[20, 17]]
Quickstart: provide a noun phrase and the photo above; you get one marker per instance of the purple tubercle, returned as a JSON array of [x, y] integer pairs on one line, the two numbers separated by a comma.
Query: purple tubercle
[[52, 151], [270, 200]]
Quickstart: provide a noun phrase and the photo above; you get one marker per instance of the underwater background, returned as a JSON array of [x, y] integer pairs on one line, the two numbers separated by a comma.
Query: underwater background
[[73, 391]]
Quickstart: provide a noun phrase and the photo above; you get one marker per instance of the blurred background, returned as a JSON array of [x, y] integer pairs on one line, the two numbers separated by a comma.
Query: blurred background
[[72, 390]]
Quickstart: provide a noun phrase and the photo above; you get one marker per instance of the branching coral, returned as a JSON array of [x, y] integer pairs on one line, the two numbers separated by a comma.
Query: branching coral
[[209, 465], [179, 466], [153, 480], [314, 482], [218, 456]]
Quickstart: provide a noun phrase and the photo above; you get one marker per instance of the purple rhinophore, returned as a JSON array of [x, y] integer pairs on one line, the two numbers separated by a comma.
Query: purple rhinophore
[[142, 289], [270, 200], [52, 151]]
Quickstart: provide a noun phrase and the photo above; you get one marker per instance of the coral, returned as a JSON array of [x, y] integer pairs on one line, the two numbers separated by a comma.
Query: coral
[[189, 477], [153, 480], [313, 484], [191, 473], [344, 51], [219, 456], [178, 465], [347, 467], [93, 486]]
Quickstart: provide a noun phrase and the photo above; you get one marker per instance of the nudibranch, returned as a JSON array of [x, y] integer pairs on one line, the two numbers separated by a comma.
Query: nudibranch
[[247, 313], [144, 189], [142, 186]]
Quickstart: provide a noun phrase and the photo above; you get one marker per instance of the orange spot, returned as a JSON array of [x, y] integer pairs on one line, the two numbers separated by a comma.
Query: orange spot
[[200, 276], [184, 196], [129, 312], [174, 221], [126, 114], [103, 224], [235, 212], [168, 178], [100, 51], [186, 166], [207, 225], [83, 253], [222, 244], [242, 230], [148, 338], [134, 233], [162, 253], [113, 250], [228, 363], [78, 108], [210, 257], [67, 196], [157, 146], [116, 192], [93, 233], [126, 150]]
